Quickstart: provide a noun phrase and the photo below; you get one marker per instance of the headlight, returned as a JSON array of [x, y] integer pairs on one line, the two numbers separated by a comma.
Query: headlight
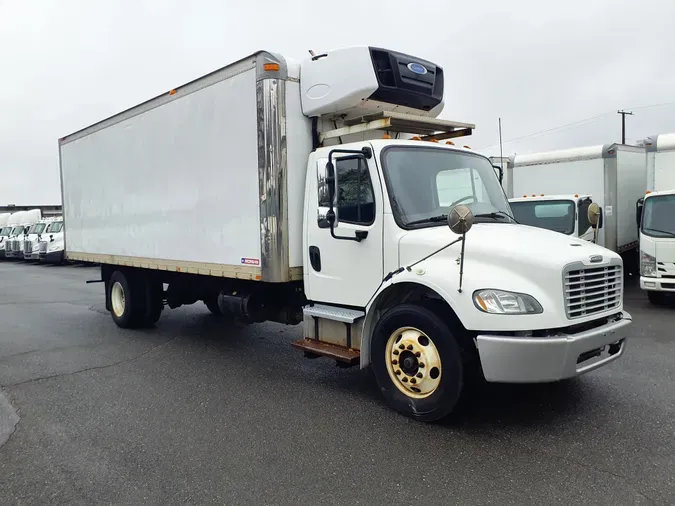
[[647, 265], [501, 302]]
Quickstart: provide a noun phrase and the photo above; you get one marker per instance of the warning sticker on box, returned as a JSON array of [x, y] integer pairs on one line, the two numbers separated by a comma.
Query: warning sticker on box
[[250, 261]]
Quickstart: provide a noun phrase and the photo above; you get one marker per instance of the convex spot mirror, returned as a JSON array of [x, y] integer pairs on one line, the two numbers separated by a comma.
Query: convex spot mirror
[[595, 215], [460, 219]]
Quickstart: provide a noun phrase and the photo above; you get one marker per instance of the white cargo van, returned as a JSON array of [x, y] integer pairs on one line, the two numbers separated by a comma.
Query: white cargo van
[[655, 219], [613, 176], [299, 201]]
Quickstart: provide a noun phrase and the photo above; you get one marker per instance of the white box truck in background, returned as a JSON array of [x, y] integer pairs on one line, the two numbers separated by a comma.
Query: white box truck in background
[[612, 175], [295, 204], [655, 220]]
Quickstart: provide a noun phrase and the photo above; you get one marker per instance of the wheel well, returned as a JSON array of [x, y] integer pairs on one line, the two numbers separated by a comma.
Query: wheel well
[[400, 293]]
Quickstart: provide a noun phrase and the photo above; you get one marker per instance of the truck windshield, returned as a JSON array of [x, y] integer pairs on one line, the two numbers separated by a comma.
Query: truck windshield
[[424, 183], [18, 230], [657, 218], [556, 215], [38, 228], [5, 231], [55, 227]]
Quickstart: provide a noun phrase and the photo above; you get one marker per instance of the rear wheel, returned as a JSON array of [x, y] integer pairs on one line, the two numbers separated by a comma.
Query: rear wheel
[[417, 363], [154, 302], [127, 304]]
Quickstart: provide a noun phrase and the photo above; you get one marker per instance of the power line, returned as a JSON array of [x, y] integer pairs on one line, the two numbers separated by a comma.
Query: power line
[[574, 123]]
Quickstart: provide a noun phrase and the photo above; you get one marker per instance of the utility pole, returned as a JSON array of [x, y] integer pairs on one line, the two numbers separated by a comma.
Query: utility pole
[[623, 124]]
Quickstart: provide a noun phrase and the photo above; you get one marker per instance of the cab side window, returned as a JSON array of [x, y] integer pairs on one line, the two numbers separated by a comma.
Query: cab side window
[[584, 224], [355, 196]]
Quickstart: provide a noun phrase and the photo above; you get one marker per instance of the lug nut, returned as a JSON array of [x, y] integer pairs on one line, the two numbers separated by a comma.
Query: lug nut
[[410, 347], [397, 372], [413, 381], [405, 380], [421, 365], [395, 352], [419, 374], [418, 354], [401, 347], [394, 362]]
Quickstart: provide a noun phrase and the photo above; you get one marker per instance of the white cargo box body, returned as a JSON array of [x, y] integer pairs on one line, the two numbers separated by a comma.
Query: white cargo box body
[[207, 178], [660, 162], [614, 175]]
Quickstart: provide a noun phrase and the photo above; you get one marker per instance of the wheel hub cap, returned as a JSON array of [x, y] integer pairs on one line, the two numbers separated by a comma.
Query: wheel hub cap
[[413, 362]]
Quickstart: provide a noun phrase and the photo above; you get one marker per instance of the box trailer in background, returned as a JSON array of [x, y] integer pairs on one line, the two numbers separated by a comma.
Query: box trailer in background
[[274, 190], [656, 219], [613, 176], [567, 214]]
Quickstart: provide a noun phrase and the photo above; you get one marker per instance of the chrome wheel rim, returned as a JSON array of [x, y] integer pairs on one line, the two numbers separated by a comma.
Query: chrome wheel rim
[[118, 299], [413, 362]]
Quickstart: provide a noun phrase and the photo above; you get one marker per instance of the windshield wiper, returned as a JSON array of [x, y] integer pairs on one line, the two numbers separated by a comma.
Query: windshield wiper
[[495, 215], [658, 231], [431, 219]]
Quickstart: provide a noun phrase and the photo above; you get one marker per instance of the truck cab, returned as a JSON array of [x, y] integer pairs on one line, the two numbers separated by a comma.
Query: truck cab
[[31, 243], [657, 244], [50, 248], [567, 214]]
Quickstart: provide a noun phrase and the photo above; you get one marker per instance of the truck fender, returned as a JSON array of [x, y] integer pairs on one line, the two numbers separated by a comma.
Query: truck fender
[[392, 294]]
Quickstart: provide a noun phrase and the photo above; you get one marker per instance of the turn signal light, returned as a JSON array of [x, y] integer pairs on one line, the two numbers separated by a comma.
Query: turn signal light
[[271, 67]]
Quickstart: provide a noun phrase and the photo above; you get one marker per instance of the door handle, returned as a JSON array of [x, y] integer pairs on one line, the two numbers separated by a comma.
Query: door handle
[[315, 258]]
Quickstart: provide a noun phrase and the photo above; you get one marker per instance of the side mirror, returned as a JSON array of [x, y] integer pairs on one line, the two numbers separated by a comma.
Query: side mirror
[[595, 215], [51, 237], [500, 173], [639, 206], [326, 183], [460, 219]]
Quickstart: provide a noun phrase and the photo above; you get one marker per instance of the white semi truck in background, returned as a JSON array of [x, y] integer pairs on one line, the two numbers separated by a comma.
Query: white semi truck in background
[[564, 183], [4, 232], [655, 219], [320, 193], [51, 245], [21, 222]]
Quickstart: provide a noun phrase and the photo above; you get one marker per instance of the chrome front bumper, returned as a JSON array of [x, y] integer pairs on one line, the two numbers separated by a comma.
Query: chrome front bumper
[[507, 359]]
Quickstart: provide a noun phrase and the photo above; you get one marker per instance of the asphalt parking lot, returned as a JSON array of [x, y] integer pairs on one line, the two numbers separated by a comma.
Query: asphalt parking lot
[[194, 413]]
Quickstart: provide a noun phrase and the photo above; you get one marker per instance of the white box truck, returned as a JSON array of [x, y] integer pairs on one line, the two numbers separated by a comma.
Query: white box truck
[[568, 180], [655, 219], [273, 190]]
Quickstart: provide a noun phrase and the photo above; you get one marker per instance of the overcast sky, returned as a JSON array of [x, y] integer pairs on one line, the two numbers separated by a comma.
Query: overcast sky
[[65, 64]]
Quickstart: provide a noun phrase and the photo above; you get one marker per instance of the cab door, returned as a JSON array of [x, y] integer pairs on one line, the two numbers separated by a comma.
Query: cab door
[[344, 267]]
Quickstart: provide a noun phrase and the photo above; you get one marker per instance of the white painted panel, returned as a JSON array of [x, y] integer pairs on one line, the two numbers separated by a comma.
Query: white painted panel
[[299, 144], [664, 170], [178, 182], [631, 177]]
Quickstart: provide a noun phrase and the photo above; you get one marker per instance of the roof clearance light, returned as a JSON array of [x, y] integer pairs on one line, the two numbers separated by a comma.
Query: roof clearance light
[[648, 192], [542, 194], [467, 147], [416, 138], [271, 67], [576, 195], [386, 136], [172, 92], [450, 143], [524, 196], [433, 140], [534, 194]]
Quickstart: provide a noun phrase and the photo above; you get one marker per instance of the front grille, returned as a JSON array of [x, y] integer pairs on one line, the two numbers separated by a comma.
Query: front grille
[[28, 247], [43, 246], [590, 290], [10, 245]]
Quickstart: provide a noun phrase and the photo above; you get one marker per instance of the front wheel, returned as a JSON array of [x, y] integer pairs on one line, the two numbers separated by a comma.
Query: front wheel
[[656, 298], [417, 363]]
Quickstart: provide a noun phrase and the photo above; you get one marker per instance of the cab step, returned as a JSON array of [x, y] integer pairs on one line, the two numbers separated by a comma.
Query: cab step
[[334, 313], [314, 348]]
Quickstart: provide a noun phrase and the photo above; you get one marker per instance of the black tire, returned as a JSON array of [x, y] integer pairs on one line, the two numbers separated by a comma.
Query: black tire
[[133, 305], [154, 302], [447, 395], [212, 304], [656, 298]]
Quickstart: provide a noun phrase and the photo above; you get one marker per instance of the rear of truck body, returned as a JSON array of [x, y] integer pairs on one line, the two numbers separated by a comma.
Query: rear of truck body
[[655, 219], [612, 175], [300, 192]]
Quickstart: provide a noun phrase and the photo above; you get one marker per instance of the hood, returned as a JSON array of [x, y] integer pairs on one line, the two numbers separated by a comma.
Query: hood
[[503, 256], [665, 251]]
